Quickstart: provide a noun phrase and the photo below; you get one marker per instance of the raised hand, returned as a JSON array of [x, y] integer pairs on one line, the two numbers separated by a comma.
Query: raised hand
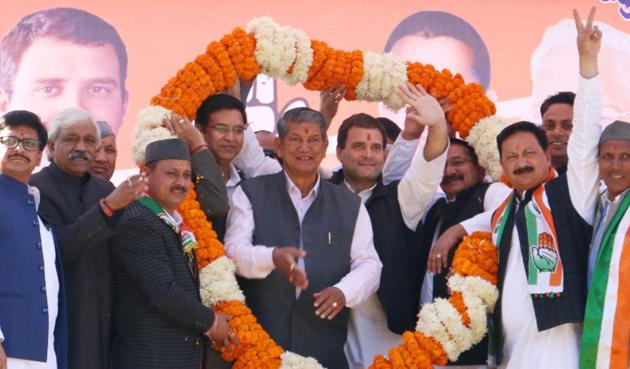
[[589, 41], [329, 102], [133, 188], [589, 37], [411, 129], [425, 109], [184, 129]]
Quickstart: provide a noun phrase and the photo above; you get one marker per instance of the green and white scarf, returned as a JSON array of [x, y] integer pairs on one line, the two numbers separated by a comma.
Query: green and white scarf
[[545, 273], [606, 335], [187, 237]]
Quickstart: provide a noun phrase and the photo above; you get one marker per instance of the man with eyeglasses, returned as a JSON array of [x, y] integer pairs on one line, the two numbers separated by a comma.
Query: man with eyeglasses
[[83, 210], [32, 306], [465, 194], [222, 120]]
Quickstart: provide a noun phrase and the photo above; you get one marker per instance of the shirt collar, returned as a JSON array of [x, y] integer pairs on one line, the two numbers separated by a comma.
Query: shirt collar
[[364, 194], [292, 188], [605, 200], [235, 177]]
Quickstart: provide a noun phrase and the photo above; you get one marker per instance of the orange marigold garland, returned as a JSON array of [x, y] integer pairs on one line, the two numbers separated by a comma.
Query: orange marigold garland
[[452, 324], [474, 265]]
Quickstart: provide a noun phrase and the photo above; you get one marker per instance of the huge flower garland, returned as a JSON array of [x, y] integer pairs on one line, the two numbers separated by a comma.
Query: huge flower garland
[[445, 328]]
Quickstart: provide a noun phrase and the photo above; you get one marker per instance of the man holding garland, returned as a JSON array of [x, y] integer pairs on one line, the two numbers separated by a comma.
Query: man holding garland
[[542, 231]]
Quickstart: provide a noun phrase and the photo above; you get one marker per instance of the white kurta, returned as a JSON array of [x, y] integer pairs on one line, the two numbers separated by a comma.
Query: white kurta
[[524, 346]]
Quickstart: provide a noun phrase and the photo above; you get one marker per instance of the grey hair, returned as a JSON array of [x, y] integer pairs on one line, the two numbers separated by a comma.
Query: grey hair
[[301, 115], [68, 118]]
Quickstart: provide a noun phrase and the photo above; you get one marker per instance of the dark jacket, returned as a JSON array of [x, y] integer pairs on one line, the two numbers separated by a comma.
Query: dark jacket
[[211, 191], [326, 233], [71, 205], [467, 204], [159, 320], [398, 247], [23, 302]]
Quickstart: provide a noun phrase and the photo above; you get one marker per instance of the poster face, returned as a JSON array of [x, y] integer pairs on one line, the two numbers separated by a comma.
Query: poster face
[[110, 58]]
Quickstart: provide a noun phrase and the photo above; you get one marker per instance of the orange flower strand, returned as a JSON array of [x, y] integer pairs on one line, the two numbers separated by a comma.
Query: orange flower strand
[[241, 47], [256, 349], [209, 248], [457, 300], [477, 256]]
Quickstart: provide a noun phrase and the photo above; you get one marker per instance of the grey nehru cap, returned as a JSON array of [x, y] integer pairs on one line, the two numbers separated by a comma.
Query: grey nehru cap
[[170, 149], [617, 130], [106, 130]]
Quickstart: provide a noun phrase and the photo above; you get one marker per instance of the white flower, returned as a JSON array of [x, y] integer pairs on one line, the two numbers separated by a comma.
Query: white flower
[[452, 321], [143, 138], [482, 138], [382, 74], [303, 60], [149, 118], [476, 311], [291, 360], [429, 324], [476, 286], [278, 48], [218, 283]]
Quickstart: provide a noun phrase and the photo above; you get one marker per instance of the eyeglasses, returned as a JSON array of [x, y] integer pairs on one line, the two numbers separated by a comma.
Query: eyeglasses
[[458, 163], [224, 129], [11, 142]]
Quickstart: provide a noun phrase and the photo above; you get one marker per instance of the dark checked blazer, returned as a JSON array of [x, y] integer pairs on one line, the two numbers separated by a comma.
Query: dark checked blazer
[[159, 320]]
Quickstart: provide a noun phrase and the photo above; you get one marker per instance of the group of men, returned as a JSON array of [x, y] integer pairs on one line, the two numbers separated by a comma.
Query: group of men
[[97, 276]]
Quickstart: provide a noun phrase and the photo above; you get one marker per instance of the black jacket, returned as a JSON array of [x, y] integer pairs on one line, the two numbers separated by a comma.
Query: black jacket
[[159, 320], [398, 247], [71, 205]]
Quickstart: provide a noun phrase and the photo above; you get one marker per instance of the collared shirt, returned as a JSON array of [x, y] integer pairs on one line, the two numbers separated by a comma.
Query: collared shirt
[[605, 213], [51, 288], [364, 195], [233, 181], [256, 261]]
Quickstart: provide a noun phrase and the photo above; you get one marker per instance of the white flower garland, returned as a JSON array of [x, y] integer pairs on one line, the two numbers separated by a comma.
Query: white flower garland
[[275, 46], [476, 286], [149, 129], [452, 321], [217, 282], [382, 74], [476, 311], [291, 360], [429, 324], [483, 138], [303, 60]]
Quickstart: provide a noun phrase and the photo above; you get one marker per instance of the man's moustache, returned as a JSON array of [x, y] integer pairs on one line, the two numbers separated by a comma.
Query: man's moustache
[[178, 189], [18, 155], [452, 178], [523, 170], [84, 155]]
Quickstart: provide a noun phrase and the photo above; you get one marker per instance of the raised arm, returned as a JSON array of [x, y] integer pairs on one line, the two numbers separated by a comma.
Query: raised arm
[[583, 168], [419, 186]]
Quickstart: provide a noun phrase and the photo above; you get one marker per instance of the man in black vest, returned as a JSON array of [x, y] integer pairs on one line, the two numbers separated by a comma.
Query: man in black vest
[[159, 320], [542, 231], [376, 325], [83, 210], [304, 245]]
